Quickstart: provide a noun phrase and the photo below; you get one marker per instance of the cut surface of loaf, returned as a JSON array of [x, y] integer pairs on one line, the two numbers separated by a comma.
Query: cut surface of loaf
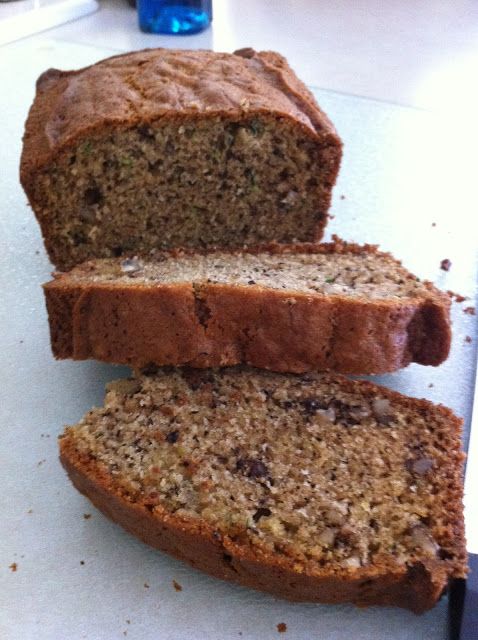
[[166, 148], [313, 488], [337, 306]]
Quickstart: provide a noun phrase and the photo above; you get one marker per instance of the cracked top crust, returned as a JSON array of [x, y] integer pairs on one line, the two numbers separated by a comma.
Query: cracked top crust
[[143, 86]]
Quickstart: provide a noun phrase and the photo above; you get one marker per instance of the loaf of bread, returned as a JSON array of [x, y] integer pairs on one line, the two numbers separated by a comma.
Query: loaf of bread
[[337, 306], [164, 148], [313, 488]]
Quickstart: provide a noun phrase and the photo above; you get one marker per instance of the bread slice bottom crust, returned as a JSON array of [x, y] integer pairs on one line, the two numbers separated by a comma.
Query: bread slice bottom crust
[[416, 587]]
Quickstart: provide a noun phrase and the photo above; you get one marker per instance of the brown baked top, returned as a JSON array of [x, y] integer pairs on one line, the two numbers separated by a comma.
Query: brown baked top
[[146, 85]]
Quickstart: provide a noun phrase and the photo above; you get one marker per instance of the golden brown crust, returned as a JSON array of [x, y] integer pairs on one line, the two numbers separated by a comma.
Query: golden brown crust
[[179, 84], [417, 586], [218, 325]]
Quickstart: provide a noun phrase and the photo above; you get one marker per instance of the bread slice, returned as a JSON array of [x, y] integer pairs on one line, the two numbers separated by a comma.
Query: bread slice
[[167, 148], [337, 306], [313, 488]]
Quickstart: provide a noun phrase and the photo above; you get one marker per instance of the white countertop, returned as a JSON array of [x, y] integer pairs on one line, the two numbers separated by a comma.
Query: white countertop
[[423, 54], [404, 169]]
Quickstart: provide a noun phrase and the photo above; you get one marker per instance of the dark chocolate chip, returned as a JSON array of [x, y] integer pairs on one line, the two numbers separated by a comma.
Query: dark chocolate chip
[[137, 446], [93, 196], [419, 466], [145, 132], [78, 238], [373, 524], [257, 469], [241, 464], [155, 168], [260, 513], [233, 127], [312, 405], [344, 413], [252, 468], [172, 437], [251, 282]]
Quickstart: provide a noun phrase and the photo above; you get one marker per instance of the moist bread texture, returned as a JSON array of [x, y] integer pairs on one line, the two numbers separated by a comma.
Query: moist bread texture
[[313, 488], [336, 306], [165, 148]]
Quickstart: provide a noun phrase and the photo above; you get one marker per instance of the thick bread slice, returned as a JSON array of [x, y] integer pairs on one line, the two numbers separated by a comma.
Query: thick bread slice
[[313, 488], [164, 148], [338, 307]]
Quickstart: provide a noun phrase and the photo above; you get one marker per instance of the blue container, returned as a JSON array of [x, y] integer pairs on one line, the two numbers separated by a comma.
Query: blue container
[[174, 16]]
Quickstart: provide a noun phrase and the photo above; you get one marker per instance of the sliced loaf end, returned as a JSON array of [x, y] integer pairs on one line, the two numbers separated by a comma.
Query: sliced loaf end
[[337, 306], [312, 488], [181, 148]]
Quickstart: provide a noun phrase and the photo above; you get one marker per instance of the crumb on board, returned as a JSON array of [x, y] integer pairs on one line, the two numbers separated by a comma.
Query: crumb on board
[[87, 516], [468, 339], [30, 511], [82, 562], [146, 585], [13, 567], [456, 296], [434, 224], [431, 385], [471, 311], [342, 197], [445, 264], [39, 464], [177, 586], [282, 627]]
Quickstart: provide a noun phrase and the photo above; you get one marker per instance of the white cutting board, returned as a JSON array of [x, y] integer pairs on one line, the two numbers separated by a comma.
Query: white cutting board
[[80, 577]]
